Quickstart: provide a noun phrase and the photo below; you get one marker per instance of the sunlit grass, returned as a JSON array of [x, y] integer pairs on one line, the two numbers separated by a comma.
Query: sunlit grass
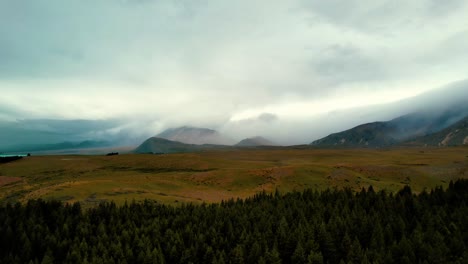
[[220, 175]]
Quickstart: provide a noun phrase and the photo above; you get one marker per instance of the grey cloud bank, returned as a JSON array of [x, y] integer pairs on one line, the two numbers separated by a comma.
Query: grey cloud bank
[[275, 68]]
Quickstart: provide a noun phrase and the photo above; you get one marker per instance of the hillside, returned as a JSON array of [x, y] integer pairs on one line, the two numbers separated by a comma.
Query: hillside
[[400, 129], [454, 135], [371, 134], [194, 135], [254, 141], [161, 145], [87, 144]]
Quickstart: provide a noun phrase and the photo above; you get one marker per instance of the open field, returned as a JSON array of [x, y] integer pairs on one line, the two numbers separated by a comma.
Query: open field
[[219, 175]]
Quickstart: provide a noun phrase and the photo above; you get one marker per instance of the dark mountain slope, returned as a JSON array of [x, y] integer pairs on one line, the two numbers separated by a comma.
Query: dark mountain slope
[[404, 128], [454, 135], [255, 141], [161, 145]]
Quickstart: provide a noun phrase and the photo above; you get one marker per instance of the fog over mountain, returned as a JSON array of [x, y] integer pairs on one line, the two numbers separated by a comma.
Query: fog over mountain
[[454, 135], [193, 135], [254, 142], [290, 71]]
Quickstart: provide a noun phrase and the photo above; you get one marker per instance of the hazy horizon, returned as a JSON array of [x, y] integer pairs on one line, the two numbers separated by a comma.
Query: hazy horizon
[[291, 71]]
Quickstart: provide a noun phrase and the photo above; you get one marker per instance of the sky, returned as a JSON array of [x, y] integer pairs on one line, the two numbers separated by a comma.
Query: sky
[[245, 68]]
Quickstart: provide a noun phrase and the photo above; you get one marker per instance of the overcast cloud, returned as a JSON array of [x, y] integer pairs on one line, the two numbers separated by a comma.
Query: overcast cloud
[[243, 67]]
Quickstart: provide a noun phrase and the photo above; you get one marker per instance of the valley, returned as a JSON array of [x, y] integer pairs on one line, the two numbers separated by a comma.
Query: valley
[[219, 174]]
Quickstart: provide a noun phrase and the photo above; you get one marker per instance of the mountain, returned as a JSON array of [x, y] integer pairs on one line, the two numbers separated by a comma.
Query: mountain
[[194, 135], [371, 134], [162, 145], [454, 135], [254, 141], [57, 146], [404, 128]]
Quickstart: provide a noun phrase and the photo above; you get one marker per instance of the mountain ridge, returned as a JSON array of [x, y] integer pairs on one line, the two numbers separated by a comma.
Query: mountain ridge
[[254, 142], [66, 145], [161, 145], [454, 135], [393, 132], [194, 135]]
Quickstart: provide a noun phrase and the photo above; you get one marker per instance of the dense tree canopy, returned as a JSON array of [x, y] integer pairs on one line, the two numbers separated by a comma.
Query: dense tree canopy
[[333, 226]]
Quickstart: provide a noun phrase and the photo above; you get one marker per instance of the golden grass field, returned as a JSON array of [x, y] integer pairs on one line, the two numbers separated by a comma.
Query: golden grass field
[[219, 175]]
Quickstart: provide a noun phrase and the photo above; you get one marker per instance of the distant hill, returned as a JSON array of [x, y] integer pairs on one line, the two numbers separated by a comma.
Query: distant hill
[[401, 129], [454, 135], [162, 145], [254, 141], [57, 146], [195, 135], [371, 134]]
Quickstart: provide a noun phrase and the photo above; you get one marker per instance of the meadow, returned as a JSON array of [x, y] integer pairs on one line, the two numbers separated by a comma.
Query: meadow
[[213, 176]]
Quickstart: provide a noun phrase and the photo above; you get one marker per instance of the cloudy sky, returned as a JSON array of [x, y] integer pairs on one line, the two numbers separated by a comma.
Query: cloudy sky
[[242, 67]]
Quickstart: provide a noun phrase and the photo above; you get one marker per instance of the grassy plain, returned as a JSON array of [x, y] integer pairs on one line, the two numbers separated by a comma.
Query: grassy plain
[[213, 176]]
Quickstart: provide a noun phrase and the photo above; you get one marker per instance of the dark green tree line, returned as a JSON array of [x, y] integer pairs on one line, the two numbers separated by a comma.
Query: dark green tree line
[[333, 226]]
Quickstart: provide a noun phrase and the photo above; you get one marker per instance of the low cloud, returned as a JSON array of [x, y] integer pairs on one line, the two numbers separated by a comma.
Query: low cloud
[[210, 63], [268, 117]]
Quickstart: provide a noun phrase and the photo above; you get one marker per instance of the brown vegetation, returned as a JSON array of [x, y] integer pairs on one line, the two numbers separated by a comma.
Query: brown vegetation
[[222, 174]]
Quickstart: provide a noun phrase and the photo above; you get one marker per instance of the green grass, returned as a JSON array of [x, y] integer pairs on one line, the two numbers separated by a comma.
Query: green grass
[[219, 175]]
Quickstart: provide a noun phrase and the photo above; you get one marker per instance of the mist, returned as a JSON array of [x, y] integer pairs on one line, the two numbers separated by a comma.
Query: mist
[[303, 131], [291, 71], [281, 130]]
